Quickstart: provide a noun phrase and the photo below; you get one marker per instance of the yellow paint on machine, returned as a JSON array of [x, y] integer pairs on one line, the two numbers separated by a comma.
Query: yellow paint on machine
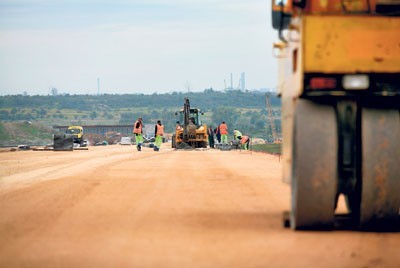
[[350, 44]]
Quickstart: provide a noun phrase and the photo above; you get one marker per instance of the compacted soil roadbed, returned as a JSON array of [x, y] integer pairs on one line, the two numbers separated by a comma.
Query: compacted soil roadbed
[[112, 206]]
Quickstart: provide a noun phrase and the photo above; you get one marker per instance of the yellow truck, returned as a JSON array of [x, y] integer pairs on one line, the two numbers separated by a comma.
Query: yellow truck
[[339, 80], [77, 132]]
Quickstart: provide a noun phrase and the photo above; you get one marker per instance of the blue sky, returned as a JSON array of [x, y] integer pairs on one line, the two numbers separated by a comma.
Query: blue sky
[[136, 46]]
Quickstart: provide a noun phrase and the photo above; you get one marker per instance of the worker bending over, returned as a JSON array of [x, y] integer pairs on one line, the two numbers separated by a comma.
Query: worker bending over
[[244, 141], [237, 135]]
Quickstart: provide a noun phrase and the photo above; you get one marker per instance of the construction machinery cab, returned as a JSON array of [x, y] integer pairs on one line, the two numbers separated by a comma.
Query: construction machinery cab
[[194, 116], [77, 132]]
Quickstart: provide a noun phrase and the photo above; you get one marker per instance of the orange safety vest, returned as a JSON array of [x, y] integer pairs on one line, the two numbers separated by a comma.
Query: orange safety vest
[[223, 128], [244, 139], [139, 129], [160, 130]]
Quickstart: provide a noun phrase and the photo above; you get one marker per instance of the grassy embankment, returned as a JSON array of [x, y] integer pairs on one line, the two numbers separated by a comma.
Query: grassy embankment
[[15, 133], [267, 148]]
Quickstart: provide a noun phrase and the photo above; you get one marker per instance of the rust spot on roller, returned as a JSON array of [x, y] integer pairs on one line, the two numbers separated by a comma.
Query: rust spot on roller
[[384, 144], [381, 174]]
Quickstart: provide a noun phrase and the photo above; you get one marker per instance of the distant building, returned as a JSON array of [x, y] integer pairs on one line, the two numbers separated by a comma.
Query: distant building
[[240, 86], [242, 81]]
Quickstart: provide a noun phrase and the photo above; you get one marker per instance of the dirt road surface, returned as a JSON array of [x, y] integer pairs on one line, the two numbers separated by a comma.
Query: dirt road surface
[[115, 207]]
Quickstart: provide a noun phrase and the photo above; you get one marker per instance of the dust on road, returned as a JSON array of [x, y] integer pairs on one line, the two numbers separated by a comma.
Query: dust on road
[[115, 207]]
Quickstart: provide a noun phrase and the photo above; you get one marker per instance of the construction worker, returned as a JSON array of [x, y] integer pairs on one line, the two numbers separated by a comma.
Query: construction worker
[[210, 134], [223, 128], [237, 134], [178, 126], [244, 141], [159, 132], [217, 134], [138, 131]]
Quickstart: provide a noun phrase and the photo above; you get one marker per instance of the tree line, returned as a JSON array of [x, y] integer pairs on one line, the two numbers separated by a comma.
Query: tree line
[[244, 110], [208, 99]]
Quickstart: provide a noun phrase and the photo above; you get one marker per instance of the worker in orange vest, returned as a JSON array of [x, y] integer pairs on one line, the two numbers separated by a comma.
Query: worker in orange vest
[[244, 141], [138, 131], [159, 132], [223, 128]]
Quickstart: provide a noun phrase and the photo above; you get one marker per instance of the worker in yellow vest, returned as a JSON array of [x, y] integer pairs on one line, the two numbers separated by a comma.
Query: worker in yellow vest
[[159, 132], [138, 131], [237, 134], [223, 128]]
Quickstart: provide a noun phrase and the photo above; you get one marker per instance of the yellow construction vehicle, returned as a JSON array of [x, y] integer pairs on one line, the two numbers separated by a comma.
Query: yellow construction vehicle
[[340, 88], [77, 132], [189, 132]]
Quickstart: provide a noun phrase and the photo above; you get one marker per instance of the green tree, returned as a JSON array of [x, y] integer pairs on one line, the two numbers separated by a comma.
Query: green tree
[[227, 114]]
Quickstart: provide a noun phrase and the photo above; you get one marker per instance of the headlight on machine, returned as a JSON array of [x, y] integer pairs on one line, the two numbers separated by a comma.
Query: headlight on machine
[[355, 81]]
